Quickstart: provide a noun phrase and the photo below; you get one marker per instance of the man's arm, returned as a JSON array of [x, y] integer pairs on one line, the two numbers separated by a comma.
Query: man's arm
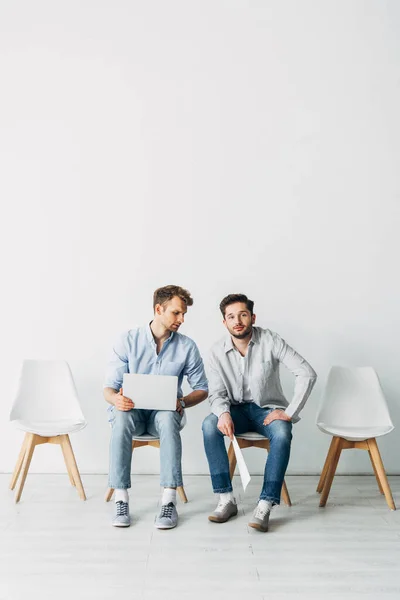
[[194, 398], [303, 372], [110, 395], [196, 376], [191, 399], [218, 399], [117, 399], [218, 395], [117, 366]]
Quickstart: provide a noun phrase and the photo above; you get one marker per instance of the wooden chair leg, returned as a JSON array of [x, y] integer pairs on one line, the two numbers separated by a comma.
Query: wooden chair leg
[[285, 495], [337, 448], [69, 471], [182, 494], [379, 468], [109, 494], [232, 460], [70, 458], [29, 448], [375, 472], [18, 466], [328, 459]]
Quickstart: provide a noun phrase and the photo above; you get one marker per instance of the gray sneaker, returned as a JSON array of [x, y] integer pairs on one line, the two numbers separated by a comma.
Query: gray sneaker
[[122, 517], [260, 518], [168, 517], [223, 512]]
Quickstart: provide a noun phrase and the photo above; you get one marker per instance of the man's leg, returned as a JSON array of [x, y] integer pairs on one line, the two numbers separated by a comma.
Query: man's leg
[[279, 434], [218, 462], [167, 425], [125, 424]]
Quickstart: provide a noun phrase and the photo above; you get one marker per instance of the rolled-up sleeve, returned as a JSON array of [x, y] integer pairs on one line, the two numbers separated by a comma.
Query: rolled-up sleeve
[[303, 372], [117, 366], [218, 394], [194, 370]]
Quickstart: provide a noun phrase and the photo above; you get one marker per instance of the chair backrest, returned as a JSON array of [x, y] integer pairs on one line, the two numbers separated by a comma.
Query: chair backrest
[[353, 397], [46, 392]]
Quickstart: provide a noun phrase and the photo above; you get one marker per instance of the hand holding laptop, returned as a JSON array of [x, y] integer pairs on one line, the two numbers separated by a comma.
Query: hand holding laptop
[[123, 403]]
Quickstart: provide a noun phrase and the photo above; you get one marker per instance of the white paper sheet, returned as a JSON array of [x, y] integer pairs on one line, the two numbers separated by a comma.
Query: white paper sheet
[[243, 470]]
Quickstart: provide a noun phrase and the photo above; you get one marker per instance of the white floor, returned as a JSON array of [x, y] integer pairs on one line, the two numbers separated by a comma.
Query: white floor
[[52, 545]]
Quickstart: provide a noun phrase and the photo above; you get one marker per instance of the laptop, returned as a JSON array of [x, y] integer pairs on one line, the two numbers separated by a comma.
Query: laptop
[[151, 392]]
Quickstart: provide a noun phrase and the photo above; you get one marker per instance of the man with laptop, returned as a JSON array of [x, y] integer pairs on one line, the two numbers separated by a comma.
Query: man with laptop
[[160, 357], [246, 395]]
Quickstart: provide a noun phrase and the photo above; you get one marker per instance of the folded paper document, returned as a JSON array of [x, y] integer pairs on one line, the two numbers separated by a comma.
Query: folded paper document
[[243, 470]]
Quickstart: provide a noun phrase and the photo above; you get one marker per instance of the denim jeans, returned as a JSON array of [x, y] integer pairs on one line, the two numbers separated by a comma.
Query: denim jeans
[[165, 424], [249, 417]]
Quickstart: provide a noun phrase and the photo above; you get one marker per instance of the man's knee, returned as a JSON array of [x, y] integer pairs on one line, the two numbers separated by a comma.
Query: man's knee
[[168, 420], [281, 432], [126, 421], [122, 418], [210, 426]]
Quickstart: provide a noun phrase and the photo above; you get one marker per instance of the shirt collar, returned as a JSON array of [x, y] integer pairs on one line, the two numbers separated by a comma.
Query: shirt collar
[[229, 344], [150, 336]]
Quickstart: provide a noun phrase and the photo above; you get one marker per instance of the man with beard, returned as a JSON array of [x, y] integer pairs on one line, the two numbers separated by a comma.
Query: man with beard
[[157, 349], [245, 394]]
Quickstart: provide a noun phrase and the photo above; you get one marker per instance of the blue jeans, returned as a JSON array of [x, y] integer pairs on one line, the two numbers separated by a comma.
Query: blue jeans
[[165, 424], [249, 417]]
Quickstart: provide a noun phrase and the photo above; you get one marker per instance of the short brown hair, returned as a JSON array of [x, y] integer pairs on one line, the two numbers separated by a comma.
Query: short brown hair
[[232, 299], [166, 293]]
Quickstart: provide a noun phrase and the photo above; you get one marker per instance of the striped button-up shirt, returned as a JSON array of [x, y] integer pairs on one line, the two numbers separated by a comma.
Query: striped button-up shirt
[[266, 351]]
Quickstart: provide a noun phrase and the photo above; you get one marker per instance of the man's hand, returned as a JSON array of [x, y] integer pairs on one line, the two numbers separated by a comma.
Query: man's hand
[[179, 408], [276, 415], [225, 424], [123, 403]]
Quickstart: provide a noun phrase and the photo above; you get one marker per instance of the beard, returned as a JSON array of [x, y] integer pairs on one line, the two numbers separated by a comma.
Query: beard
[[243, 334]]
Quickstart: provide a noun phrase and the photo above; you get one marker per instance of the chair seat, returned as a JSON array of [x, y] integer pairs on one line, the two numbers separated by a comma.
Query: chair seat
[[49, 428], [251, 436], [354, 434], [146, 437]]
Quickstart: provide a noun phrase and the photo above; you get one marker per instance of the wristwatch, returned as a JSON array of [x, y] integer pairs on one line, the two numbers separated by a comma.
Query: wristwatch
[[183, 404]]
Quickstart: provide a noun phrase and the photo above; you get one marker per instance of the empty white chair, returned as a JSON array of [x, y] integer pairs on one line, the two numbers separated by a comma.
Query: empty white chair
[[47, 409], [150, 440], [354, 411]]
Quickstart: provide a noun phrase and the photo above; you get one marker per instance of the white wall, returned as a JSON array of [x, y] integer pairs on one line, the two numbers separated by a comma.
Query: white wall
[[222, 146]]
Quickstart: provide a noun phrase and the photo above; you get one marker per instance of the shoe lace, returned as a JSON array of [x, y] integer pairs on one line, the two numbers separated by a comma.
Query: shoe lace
[[167, 509], [222, 504], [261, 512], [122, 508]]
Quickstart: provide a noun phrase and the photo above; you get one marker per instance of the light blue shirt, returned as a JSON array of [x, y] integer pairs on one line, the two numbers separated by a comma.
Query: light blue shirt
[[136, 352]]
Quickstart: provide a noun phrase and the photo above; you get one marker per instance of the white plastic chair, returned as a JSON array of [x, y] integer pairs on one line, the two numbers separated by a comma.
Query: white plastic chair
[[247, 440], [354, 411], [154, 441], [47, 409]]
